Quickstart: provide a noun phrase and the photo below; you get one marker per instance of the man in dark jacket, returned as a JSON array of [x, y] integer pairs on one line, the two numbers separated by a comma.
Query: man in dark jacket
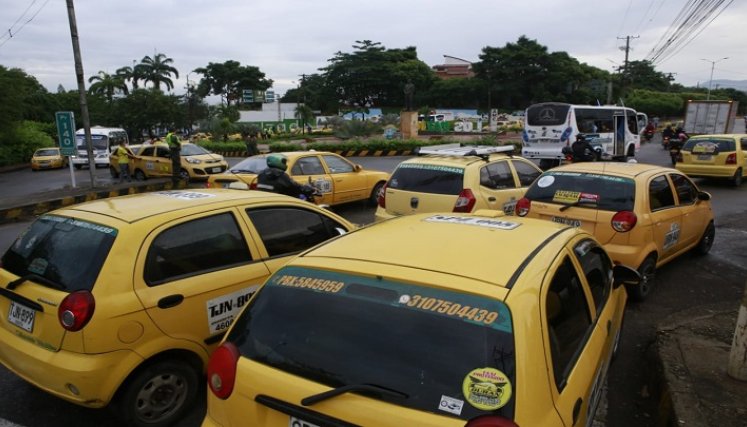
[[582, 150], [274, 178]]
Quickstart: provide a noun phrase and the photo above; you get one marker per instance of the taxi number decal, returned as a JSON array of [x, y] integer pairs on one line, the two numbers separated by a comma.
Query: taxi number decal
[[671, 238], [150, 166], [223, 310], [563, 196], [432, 168], [312, 283], [481, 222], [323, 185], [451, 309], [184, 195]]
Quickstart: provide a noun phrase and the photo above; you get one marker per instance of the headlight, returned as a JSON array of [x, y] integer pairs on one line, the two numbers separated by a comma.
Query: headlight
[[193, 161]]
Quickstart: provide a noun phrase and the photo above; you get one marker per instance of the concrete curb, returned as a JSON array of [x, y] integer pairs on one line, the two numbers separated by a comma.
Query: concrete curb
[[344, 153]]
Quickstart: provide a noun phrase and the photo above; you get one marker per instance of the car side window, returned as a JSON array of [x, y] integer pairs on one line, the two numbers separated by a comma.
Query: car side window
[[288, 230], [686, 191], [196, 247], [163, 152], [598, 271], [147, 151], [660, 193], [527, 174], [337, 165], [568, 318], [497, 175], [308, 166], [743, 143]]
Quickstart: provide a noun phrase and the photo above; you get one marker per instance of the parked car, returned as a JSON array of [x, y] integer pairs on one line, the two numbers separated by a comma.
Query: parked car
[[715, 156], [121, 301], [154, 160], [644, 215], [48, 158], [427, 320]]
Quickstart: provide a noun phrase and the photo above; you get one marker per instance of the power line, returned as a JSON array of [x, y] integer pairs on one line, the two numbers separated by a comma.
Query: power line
[[687, 42], [10, 34]]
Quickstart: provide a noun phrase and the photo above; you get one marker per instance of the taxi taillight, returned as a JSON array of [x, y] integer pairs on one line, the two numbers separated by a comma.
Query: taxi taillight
[[522, 206], [221, 370], [465, 201], [490, 421], [207, 184], [253, 185], [76, 310], [381, 197], [731, 159], [624, 221]]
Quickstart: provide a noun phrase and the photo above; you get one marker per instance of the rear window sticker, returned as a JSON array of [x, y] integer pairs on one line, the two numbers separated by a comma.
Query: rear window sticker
[[545, 181], [221, 311], [313, 283], [588, 198], [184, 195], [38, 266], [563, 196], [487, 389], [477, 221], [438, 168], [451, 405], [705, 148]]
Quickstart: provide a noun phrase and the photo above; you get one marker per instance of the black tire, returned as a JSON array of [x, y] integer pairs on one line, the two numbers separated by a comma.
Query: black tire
[[140, 175], [547, 164], [737, 179], [647, 270], [373, 199], [78, 166], [113, 172], [184, 175], [706, 240], [159, 394]]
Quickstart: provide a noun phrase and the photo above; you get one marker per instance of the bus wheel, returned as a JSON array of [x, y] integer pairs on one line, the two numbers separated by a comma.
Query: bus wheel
[[546, 164]]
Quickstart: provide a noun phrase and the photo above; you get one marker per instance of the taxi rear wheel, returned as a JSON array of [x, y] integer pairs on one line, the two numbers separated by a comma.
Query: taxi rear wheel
[[706, 241], [159, 394], [737, 180], [647, 270]]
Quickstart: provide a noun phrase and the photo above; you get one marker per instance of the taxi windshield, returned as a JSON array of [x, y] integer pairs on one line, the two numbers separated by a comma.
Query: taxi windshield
[[52, 152], [251, 165], [341, 329], [425, 178], [585, 190], [193, 150]]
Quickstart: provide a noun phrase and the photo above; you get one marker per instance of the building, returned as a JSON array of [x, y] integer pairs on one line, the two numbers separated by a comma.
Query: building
[[454, 68]]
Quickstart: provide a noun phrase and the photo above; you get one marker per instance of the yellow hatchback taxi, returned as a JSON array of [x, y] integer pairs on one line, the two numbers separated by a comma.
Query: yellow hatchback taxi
[[154, 160], [336, 178], [456, 179], [48, 158], [644, 215], [715, 156], [122, 300], [427, 320]]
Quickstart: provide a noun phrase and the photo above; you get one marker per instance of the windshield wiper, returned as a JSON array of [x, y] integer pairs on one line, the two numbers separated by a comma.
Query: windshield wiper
[[37, 278], [373, 388], [570, 205], [242, 171]]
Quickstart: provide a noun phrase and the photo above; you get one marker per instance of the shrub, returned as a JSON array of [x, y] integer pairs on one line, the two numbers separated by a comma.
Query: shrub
[[18, 145]]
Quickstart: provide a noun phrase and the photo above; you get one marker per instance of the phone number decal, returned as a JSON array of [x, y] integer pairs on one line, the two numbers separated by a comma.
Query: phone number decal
[[312, 283], [449, 308]]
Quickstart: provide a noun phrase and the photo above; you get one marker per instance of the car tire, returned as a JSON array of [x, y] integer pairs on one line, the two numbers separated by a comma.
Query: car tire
[[159, 394], [737, 179], [647, 270], [706, 240], [78, 166], [546, 164], [140, 175], [373, 199], [113, 172], [184, 175]]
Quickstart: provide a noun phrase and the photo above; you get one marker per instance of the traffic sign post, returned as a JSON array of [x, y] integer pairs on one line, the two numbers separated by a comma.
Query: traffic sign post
[[66, 136]]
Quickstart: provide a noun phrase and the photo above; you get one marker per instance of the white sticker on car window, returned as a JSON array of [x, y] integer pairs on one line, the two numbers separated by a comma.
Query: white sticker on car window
[[480, 222], [545, 181], [451, 405], [184, 195], [223, 310]]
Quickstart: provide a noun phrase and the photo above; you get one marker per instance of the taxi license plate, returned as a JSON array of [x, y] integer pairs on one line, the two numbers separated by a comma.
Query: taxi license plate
[[704, 157], [21, 316], [295, 422], [567, 221], [215, 170]]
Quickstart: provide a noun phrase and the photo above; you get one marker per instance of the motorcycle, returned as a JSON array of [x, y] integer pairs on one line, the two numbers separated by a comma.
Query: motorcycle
[[665, 142], [648, 135], [309, 193], [675, 146], [589, 156]]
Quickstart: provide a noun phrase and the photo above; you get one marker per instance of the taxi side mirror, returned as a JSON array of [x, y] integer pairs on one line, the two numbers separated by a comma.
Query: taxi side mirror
[[702, 195], [358, 167], [624, 275]]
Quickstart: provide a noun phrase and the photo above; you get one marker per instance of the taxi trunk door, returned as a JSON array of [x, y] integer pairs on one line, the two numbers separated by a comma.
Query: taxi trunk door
[[401, 202]]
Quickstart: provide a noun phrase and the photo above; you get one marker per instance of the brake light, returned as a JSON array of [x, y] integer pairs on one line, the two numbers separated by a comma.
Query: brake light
[[522, 206], [207, 184], [253, 185], [381, 197], [221, 370], [731, 159], [76, 310], [490, 421], [465, 201], [624, 221]]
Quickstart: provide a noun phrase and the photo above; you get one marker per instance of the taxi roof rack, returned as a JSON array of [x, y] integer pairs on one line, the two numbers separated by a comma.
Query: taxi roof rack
[[457, 149]]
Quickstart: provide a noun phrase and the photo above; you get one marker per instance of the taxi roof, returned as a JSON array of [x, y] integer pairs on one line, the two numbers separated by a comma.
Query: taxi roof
[[136, 207], [630, 170], [449, 160], [484, 248]]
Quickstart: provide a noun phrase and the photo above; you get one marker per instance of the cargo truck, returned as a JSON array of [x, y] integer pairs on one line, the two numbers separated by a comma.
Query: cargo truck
[[710, 117]]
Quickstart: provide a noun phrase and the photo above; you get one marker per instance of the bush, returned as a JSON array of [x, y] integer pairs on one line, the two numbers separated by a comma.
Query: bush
[[18, 145]]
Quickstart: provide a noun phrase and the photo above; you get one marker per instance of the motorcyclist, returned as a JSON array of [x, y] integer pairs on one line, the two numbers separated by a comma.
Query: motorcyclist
[[583, 151], [649, 130], [274, 179]]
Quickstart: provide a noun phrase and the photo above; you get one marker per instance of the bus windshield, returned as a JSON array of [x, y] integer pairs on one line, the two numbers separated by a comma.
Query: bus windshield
[[99, 142]]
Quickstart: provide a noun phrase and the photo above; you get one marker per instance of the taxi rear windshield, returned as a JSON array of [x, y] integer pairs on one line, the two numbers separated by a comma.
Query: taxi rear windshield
[[424, 178], [710, 146], [430, 344], [584, 190], [66, 251]]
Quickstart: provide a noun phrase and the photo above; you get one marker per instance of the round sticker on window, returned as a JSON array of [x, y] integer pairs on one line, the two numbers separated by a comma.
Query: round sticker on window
[[487, 389], [545, 181]]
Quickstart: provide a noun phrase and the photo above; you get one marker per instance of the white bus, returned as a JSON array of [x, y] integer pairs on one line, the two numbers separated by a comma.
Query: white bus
[[102, 140], [549, 126]]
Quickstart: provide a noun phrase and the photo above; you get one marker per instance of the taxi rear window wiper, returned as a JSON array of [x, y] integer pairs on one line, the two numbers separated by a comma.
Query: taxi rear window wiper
[[37, 278], [373, 388]]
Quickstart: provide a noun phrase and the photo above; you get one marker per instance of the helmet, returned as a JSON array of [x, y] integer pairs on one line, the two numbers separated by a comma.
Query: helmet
[[277, 161]]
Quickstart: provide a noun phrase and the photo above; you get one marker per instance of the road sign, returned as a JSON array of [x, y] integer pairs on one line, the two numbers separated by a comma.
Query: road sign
[[248, 97], [66, 131]]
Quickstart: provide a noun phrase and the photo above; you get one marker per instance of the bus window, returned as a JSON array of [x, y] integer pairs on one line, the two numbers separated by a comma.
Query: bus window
[[547, 114], [632, 122]]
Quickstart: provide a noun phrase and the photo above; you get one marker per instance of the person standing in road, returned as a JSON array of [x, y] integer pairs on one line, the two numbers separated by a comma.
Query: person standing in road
[[124, 154], [175, 148]]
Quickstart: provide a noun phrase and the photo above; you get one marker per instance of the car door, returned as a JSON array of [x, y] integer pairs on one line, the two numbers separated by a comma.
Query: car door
[[194, 274], [309, 170], [498, 187], [694, 213], [163, 161], [349, 184], [666, 218], [742, 155]]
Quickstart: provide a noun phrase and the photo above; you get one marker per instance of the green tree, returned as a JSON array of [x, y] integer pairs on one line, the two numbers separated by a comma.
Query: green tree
[[145, 109], [107, 84], [305, 114], [316, 93], [456, 93], [229, 79], [157, 70], [643, 75]]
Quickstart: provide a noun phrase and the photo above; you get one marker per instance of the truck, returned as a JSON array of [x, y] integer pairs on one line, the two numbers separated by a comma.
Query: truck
[[710, 117]]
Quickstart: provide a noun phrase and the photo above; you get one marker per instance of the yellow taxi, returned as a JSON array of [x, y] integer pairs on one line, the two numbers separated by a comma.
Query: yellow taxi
[[122, 300], [450, 178], [154, 160], [48, 158], [715, 156], [427, 320], [114, 158], [336, 178], [644, 215]]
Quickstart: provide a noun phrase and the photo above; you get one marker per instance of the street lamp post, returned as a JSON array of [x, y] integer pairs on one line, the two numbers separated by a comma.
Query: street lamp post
[[710, 81]]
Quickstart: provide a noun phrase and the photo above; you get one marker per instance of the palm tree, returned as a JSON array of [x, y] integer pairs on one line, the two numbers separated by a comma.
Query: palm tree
[[130, 74], [305, 114], [157, 70], [107, 85]]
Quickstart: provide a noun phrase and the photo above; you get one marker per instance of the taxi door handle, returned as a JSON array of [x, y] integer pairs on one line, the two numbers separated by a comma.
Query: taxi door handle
[[170, 301], [576, 410], [491, 199]]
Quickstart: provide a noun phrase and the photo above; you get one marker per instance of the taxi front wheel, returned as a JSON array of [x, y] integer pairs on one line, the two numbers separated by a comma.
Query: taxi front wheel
[[159, 394], [647, 270]]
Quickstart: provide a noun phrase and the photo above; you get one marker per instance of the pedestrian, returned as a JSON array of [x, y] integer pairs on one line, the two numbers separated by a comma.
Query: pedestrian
[[175, 149], [124, 154], [251, 144]]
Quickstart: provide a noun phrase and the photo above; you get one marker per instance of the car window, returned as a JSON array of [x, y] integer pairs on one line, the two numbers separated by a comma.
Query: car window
[[163, 152], [597, 269], [585, 190], [497, 176], [41, 153], [425, 178], [339, 328], [660, 193], [337, 164], [147, 151], [196, 247], [193, 150], [568, 318], [687, 193], [527, 173], [67, 251], [710, 145], [310, 165], [743, 144], [255, 164], [288, 230]]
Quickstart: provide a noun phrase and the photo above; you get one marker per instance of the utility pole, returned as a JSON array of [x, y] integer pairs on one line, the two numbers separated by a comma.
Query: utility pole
[[710, 81], [627, 49], [302, 111], [81, 89]]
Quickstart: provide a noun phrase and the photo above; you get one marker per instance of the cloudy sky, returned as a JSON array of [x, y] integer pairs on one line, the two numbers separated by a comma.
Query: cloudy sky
[[287, 38]]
